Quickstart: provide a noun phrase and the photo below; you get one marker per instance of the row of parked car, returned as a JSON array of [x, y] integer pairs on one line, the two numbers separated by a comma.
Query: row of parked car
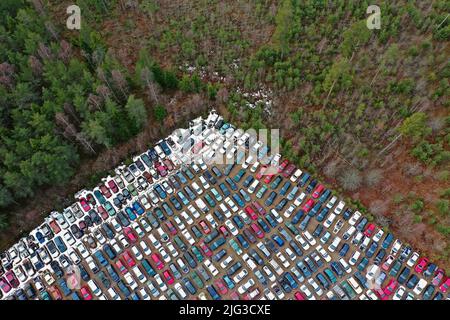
[[207, 231]]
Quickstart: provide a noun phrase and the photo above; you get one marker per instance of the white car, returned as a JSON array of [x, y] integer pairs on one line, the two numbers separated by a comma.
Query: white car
[[323, 253], [296, 175], [197, 188], [263, 249], [82, 250], [420, 286], [123, 241], [276, 215], [231, 204], [253, 186], [298, 201], [309, 237], [283, 260], [144, 223], [226, 262], [269, 273], [247, 285], [377, 236], [412, 260], [315, 286], [113, 294], [331, 203], [302, 242], [249, 261], [164, 254], [234, 231], [354, 258], [371, 295], [145, 248], [94, 288], [173, 252], [396, 247], [345, 265], [69, 239], [160, 282], [241, 275], [205, 183], [188, 237], [187, 217], [144, 295], [254, 167], [307, 293], [180, 291], [398, 295], [99, 236], [289, 211], [139, 275], [333, 246], [74, 256], [372, 272], [211, 267], [276, 267], [354, 218], [329, 220], [129, 279], [115, 246], [339, 207], [179, 223], [145, 203]]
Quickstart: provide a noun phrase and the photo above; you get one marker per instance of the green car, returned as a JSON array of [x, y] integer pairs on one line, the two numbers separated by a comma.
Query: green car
[[395, 268], [197, 253], [132, 189], [348, 289], [110, 209], [276, 182], [235, 246], [292, 228], [330, 275], [239, 175], [261, 192], [197, 280], [363, 264], [216, 194], [46, 296], [210, 200]]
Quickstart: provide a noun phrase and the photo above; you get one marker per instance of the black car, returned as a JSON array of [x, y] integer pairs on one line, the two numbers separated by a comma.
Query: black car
[[59, 272], [123, 219], [109, 232], [30, 291], [83, 273], [412, 281], [95, 217], [256, 256], [76, 231]]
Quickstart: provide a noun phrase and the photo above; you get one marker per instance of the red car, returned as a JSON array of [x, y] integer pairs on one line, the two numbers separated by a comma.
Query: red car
[[86, 293], [268, 177], [445, 285], [224, 231], [221, 286], [12, 279], [4, 285], [308, 205], [205, 227], [438, 277], [128, 259], [283, 166], [205, 249], [421, 265], [128, 232], [168, 277], [258, 232], [249, 210], [318, 191], [105, 191], [380, 292], [103, 212], [85, 205], [157, 261], [261, 172], [162, 170], [234, 296], [55, 227], [299, 296], [168, 163], [289, 170], [120, 265], [113, 186], [389, 289], [148, 177], [259, 208], [56, 294], [369, 230], [171, 227]]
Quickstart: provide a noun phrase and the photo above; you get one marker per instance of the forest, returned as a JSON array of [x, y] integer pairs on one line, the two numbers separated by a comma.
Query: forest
[[364, 110]]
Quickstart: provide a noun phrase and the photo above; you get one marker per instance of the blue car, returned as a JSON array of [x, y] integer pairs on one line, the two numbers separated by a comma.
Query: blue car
[[160, 190], [239, 200], [238, 221], [263, 225], [270, 198], [212, 291], [325, 195], [112, 273], [110, 252], [130, 212], [231, 183], [285, 188], [224, 189], [181, 177], [165, 148], [60, 244], [296, 218], [101, 258], [304, 179], [138, 208], [278, 240], [248, 181], [242, 241]]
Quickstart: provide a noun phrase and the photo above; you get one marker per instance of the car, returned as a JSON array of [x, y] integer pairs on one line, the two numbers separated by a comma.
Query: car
[[421, 265], [445, 285]]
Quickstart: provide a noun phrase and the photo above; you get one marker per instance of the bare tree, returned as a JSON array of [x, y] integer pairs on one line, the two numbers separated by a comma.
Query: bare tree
[[148, 78], [331, 169], [65, 51], [44, 52], [373, 177], [120, 82], [350, 179], [35, 65]]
